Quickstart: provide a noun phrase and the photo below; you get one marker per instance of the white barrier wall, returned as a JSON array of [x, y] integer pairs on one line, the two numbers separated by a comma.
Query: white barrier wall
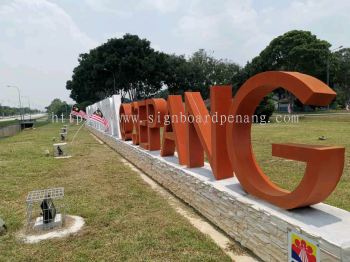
[[116, 102], [110, 110]]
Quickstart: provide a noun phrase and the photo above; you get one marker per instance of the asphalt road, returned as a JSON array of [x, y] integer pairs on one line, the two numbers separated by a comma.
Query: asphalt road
[[36, 116]]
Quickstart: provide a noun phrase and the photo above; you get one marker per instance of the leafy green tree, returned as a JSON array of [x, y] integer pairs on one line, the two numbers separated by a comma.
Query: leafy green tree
[[209, 71], [130, 67], [162, 94], [341, 79], [127, 65], [197, 73], [295, 50], [177, 75], [265, 109], [10, 111], [58, 107]]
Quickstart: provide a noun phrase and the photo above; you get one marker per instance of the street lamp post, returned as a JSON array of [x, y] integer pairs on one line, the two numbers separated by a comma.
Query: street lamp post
[[328, 62], [1, 106], [66, 107], [30, 114], [19, 99], [105, 69]]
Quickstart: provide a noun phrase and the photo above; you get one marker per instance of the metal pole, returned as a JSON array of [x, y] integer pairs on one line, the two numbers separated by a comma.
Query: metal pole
[[20, 102], [328, 61], [30, 114], [328, 69], [328, 64]]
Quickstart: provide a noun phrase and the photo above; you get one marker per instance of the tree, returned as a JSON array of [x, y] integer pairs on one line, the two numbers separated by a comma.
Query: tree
[[341, 79], [295, 50], [197, 73], [127, 65], [178, 74], [265, 109], [11, 111], [130, 67], [58, 107], [8, 111], [208, 71]]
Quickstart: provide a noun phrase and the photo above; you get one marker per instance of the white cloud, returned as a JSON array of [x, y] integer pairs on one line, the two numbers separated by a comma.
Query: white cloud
[[239, 30], [127, 9], [163, 6], [327, 19], [110, 35], [224, 28], [119, 8], [37, 33], [41, 38]]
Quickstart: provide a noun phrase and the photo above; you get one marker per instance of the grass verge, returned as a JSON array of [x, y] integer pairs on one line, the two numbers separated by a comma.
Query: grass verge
[[8, 123], [125, 219], [287, 173]]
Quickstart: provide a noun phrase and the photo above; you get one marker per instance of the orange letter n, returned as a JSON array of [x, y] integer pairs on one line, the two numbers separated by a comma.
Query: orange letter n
[[207, 133]]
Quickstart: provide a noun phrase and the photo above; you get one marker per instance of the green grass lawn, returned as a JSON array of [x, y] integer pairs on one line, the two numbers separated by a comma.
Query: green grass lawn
[[8, 123], [125, 219], [288, 173]]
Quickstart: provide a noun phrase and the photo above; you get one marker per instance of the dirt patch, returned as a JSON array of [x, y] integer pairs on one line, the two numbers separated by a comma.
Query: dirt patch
[[72, 225]]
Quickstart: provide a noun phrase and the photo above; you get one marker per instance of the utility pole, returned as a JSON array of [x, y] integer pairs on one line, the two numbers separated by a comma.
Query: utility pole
[[1, 107], [66, 106], [30, 114]]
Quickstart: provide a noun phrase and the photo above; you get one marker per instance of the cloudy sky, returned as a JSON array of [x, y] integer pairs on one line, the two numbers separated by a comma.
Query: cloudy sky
[[40, 40]]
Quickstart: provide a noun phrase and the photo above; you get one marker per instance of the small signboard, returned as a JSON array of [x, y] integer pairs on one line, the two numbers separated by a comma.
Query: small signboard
[[302, 249]]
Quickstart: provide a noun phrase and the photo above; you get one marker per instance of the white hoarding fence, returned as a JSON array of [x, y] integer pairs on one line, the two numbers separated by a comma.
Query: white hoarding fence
[[110, 110]]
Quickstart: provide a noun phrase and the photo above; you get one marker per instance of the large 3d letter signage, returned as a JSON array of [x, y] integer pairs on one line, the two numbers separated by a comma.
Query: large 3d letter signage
[[228, 145], [126, 125], [173, 132], [203, 132]]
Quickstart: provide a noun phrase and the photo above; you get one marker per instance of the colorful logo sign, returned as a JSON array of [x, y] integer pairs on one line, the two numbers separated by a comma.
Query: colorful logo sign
[[302, 249]]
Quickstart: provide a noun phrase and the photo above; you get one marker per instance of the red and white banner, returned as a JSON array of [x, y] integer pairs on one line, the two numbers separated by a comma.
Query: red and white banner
[[96, 117], [110, 108], [81, 113], [77, 112]]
